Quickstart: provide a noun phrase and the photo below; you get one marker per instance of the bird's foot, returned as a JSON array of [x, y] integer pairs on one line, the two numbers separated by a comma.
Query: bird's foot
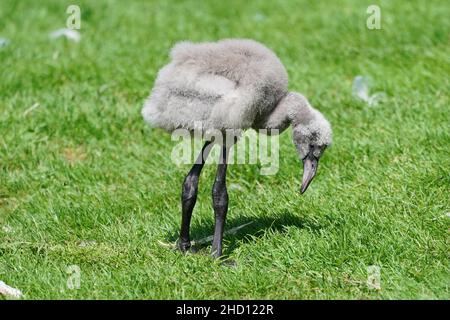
[[216, 253], [185, 246]]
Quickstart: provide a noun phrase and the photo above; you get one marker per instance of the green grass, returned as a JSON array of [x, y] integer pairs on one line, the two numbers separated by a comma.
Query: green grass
[[84, 167]]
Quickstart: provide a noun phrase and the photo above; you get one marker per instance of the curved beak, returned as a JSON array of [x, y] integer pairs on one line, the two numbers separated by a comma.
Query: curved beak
[[310, 163]]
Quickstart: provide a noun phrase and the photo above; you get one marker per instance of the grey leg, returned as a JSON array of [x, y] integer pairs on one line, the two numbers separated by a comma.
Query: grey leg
[[189, 197], [220, 202]]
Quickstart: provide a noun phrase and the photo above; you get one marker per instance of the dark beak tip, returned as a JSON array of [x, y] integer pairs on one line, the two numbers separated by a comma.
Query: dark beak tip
[[303, 189]]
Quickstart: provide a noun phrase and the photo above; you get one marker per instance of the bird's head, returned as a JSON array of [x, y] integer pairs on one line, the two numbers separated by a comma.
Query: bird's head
[[312, 135]]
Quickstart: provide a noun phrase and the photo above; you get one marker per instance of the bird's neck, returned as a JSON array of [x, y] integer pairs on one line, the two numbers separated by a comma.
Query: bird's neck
[[300, 112], [292, 109]]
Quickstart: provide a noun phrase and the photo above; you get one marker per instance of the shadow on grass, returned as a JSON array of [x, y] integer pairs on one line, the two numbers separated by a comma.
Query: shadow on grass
[[257, 227]]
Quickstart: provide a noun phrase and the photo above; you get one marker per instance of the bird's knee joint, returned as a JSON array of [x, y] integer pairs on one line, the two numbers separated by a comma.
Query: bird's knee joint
[[189, 194], [191, 179], [219, 190], [220, 198], [190, 187], [220, 206]]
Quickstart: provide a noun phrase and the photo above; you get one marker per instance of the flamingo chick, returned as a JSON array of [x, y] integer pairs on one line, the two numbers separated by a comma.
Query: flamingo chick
[[232, 84]]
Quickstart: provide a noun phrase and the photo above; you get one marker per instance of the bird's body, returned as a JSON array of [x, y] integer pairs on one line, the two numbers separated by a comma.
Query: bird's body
[[230, 84]]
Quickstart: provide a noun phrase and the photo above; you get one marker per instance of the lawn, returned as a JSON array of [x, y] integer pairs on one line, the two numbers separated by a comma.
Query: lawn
[[86, 185]]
